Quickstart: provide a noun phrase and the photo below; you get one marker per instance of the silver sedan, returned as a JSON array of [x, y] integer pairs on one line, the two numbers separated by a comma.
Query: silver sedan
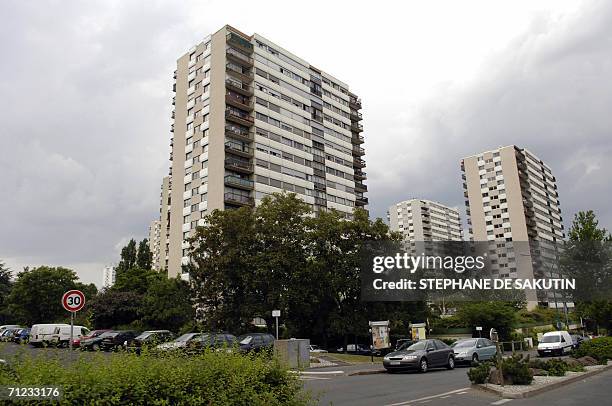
[[474, 350]]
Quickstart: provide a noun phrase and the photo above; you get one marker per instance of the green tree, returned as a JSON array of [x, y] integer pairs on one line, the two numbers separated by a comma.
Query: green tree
[[167, 304], [136, 280], [588, 258], [37, 293], [144, 258], [113, 308], [6, 284], [498, 315], [129, 256]]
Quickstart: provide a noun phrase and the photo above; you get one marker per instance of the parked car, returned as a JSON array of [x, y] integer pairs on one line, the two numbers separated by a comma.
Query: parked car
[[473, 350], [179, 343], [76, 342], [403, 342], [356, 349], [212, 341], [555, 343], [317, 349], [7, 334], [577, 340], [22, 336], [94, 343], [41, 335], [421, 356], [5, 326], [149, 339], [61, 335], [256, 342], [115, 340]]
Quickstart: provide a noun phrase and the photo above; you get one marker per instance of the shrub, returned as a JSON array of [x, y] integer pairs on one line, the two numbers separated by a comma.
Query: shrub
[[480, 373], [556, 367], [516, 370], [598, 348], [211, 378]]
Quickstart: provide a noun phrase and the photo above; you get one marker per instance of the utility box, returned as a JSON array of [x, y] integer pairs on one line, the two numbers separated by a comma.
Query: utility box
[[295, 353]]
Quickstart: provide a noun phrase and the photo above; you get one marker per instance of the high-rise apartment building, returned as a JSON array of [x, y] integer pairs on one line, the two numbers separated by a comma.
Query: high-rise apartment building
[[154, 240], [250, 119], [108, 277], [425, 220], [511, 196]]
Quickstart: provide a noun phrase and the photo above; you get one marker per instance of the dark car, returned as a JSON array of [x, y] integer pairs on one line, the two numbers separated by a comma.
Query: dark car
[[256, 342], [7, 335], [212, 341], [21, 336], [356, 349], [577, 340], [76, 342], [115, 340], [93, 343], [421, 356], [149, 339]]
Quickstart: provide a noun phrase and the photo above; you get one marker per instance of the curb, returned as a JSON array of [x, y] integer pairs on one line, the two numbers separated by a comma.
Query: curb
[[541, 389], [368, 372]]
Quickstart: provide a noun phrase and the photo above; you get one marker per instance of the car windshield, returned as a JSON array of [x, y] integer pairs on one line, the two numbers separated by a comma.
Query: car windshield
[[187, 337], [144, 335], [464, 344], [245, 339], [419, 345], [109, 334], [551, 339]]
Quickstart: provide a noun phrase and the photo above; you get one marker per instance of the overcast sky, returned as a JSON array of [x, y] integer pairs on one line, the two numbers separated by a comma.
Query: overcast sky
[[86, 88]]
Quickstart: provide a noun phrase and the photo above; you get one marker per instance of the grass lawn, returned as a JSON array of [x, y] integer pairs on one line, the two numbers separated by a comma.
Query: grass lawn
[[352, 358]]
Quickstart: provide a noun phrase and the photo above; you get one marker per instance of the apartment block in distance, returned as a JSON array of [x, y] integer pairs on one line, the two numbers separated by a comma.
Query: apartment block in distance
[[251, 118], [425, 220], [154, 240], [511, 196]]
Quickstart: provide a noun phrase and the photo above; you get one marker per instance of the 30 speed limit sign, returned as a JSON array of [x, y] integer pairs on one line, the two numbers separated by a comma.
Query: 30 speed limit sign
[[73, 300]]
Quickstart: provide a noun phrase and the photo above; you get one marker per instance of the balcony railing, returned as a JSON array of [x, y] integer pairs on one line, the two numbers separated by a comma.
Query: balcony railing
[[356, 115], [243, 43], [358, 150], [361, 201], [235, 198], [240, 73], [239, 57], [239, 87], [356, 127], [360, 175], [238, 166], [238, 149], [355, 103], [241, 183], [238, 117], [239, 101], [359, 163], [238, 132], [357, 139], [360, 187]]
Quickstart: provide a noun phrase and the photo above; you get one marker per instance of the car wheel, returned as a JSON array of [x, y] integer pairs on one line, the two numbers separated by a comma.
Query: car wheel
[[423, 366], [475, 358], [451, 363], [95, 347]]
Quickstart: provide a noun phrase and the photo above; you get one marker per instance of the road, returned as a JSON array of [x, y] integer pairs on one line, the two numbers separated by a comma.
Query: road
[[442, 387]]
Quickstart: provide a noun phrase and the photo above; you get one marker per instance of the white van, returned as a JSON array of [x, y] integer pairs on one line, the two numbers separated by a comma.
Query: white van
[[555, 343], [61, 334], [42, 334]]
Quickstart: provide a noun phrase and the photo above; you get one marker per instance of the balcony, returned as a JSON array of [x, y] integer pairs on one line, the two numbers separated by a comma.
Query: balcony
[[239, 118], [239, 87], [238, 133], [237, 148], [356, 115], [360, 188], [355, 103], [359, 163], [238, 57], [361, 201], [360, 175], [238, 166], [358, 150], [240, 42], [241, 74], [239, 183], [238, 199], [356, 127], [357, 139], [239, 101]]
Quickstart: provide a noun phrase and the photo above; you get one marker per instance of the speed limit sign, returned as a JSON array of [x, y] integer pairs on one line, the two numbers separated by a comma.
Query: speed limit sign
[[73, 300]]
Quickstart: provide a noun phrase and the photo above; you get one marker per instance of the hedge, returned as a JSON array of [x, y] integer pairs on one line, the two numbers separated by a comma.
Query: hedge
[[599, 348], [211, 378]]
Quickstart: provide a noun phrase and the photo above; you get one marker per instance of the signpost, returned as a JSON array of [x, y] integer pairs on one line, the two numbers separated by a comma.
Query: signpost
[[479, 329], [73, 301], [276, 314], [495, 338]]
